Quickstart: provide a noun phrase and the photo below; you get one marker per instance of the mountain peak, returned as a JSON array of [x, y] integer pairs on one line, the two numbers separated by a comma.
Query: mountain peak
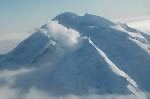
[[71, 20], [66, 15], [88, 15]]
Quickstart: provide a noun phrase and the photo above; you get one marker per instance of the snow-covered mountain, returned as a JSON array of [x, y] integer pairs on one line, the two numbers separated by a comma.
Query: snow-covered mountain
[[80, 55]]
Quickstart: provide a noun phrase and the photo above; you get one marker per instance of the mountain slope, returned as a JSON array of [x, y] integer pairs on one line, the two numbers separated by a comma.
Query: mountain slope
[[80, 72], [26, 51], [132, 86]]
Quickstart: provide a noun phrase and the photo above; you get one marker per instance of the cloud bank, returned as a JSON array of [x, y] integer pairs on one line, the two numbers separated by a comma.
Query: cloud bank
[[8, 92], [9, 41]]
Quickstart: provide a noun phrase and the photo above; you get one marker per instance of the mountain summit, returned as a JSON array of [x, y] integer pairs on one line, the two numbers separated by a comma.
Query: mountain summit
[[72, 20]]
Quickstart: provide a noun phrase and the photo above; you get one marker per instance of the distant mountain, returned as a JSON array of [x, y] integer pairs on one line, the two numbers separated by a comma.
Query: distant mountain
[[104, 58]]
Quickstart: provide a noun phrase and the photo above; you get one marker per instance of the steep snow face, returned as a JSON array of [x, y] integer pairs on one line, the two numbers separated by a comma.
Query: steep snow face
[[132, 86]]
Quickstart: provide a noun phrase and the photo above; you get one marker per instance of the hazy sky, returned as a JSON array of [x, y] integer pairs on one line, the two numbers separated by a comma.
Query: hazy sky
[[25, 15]]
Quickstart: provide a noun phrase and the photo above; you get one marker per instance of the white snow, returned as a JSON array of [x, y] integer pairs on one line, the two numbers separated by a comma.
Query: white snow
[[132, 34], [146, 47]]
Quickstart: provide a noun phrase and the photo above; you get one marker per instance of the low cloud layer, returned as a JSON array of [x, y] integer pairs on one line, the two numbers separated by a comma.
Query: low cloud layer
[[7, 92], [9, 41]]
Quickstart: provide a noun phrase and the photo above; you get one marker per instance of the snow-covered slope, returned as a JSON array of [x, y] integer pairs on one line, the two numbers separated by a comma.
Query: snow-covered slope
[[140, 38], [67, 63], [132, 86], [26, 51]]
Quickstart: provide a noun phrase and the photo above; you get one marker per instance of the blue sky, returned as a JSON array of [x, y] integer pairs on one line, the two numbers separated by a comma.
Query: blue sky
[[25, 15]]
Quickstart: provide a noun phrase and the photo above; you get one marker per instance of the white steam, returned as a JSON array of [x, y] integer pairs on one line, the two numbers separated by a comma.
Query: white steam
[[64, 36]]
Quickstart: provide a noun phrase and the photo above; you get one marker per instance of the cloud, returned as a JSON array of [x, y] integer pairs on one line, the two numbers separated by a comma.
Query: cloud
[[142, 25], [9, 92], [9, 41], [9, 76], [37, 94], [64, 36], [13, 73]]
